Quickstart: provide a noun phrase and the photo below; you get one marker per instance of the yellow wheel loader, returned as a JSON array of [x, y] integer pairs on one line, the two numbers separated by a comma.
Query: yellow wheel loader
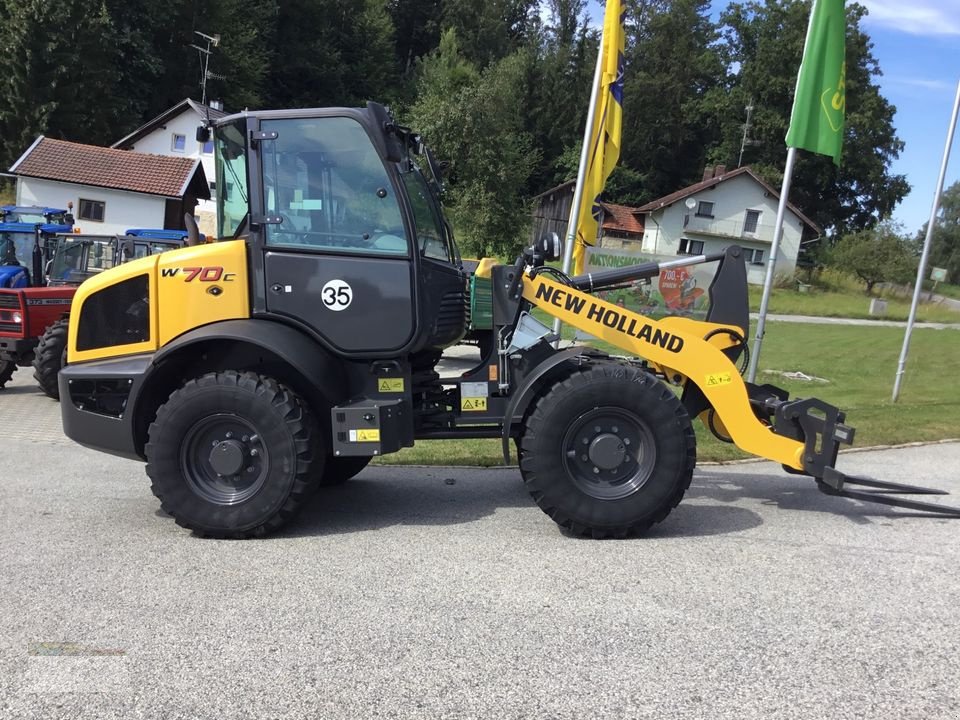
[[250, 371]]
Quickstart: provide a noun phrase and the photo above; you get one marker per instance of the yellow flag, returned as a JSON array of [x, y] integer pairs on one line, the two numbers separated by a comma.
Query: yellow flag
[[604, 149]]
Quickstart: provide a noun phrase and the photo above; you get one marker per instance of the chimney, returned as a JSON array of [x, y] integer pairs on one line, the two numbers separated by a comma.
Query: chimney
[[720, 171], [707, 173]]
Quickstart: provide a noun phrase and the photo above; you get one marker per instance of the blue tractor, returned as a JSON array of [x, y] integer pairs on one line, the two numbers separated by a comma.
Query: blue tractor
[[28, 242]]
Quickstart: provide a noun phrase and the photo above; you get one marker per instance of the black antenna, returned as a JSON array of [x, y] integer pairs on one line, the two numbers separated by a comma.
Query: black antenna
[[205, 53]]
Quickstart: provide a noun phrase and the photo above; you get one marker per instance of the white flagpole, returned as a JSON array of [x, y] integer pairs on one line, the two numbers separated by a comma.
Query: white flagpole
[[778, 226], [922, 269], [771, 264], [581, 174]]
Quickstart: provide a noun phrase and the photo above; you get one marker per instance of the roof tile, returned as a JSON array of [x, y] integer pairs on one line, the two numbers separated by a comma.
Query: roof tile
[[622, 218], [105, 167]]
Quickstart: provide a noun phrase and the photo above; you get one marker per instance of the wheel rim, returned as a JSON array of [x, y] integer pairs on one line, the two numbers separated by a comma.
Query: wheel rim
[[223, 459], [608, 453]]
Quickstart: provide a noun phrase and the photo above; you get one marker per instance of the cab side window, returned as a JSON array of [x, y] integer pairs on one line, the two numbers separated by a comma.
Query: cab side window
[[325, 182]]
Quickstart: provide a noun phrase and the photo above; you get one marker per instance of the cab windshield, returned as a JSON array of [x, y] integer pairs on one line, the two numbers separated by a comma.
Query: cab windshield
[[80, 257], [17, 245], [231, 172], [432, 238]]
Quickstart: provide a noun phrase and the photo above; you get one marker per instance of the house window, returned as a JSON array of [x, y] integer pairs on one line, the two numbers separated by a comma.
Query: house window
[[92, 210], [178, 143], [753, 256], [705, 209], [213, 190], [207, 147], [751, 221], [690, 247]]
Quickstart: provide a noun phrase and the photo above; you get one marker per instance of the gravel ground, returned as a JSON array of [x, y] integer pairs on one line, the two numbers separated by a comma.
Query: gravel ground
[[445, 593]]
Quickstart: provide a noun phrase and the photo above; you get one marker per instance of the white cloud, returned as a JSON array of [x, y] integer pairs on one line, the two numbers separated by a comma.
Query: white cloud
[[920, 83], [920, 17]]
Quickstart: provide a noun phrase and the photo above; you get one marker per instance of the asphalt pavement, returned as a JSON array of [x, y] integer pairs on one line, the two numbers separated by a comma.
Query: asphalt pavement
[[446, 593]]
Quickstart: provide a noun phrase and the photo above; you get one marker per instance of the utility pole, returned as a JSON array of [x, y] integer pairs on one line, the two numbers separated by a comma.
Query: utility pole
[[212, 42]]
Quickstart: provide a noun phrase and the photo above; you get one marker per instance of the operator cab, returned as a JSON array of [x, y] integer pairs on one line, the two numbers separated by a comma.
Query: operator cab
[[345, 231]]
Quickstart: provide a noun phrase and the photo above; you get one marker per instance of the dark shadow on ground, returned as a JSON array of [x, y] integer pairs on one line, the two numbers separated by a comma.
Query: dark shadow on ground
[[384, 496], [31, 389], [800, 493]]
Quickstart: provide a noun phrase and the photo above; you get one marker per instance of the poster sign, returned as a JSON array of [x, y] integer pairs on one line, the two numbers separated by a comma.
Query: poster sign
[[938, 274], [677, 291]]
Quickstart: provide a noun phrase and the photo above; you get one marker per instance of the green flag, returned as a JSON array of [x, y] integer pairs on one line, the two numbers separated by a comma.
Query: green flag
[[816, 123]]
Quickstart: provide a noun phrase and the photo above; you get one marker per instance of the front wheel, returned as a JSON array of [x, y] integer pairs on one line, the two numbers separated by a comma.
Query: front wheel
[[7, 369], [50, 357], [232, 455], [608, 452]]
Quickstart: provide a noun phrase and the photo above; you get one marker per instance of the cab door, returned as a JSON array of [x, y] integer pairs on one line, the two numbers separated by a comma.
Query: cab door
[[337, 256]]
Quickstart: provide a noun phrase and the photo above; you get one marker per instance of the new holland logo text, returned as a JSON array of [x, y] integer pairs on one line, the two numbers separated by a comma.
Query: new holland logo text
[[212, 273], [608, 317]]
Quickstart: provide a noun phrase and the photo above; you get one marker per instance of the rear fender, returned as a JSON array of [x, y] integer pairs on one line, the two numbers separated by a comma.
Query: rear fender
[[279, 351]]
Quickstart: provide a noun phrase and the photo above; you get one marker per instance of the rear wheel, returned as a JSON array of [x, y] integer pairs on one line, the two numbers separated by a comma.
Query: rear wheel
[[608, 452], [49, 357], [337, 470], [7, 369], [232, 455]]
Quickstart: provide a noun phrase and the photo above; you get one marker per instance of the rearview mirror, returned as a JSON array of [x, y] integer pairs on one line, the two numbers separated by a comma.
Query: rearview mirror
[[550, 246]]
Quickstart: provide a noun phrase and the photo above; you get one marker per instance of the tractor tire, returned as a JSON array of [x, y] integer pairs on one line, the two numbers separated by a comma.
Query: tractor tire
[[338, 470], [608, 452], [50, 356], [7, 369], [233, 455]]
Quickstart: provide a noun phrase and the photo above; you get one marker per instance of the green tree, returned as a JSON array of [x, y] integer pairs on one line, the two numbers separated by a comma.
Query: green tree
[[473, 121], [945, 244], [56, 74], [673, 69], [560, 60], [765, 41], [332, 53], [878, 254], [417, 26], [490, 30]]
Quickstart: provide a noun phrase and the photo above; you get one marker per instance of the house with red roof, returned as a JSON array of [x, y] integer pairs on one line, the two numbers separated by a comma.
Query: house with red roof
[[174, 132], [110, 190], [620, 226], [727, 208], [724, 208]]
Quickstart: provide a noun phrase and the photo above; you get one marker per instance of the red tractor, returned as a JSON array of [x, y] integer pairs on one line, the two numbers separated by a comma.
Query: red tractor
[[34, 320]]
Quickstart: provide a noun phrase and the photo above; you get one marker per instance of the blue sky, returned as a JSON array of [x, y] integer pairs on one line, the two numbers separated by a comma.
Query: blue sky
[[918, 47], [917, 44]]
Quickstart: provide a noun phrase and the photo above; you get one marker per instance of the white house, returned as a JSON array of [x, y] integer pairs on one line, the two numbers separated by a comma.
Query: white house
[[174, 133], [723, 209], [110, 190]]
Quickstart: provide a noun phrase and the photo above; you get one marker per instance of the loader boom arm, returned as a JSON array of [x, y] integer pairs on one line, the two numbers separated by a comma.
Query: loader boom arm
[[681, 349]]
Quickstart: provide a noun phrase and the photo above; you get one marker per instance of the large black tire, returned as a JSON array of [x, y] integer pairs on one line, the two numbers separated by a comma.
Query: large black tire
[[233, 455], [7, 369], [608, 451], [50, 356], [338, 470]]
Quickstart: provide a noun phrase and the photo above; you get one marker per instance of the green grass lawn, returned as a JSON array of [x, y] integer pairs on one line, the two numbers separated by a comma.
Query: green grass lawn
[[859, 364], [846, 303]]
